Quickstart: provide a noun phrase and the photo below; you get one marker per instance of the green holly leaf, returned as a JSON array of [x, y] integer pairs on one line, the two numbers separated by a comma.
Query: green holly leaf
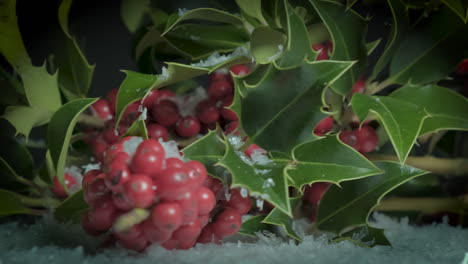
[[279, 218], [400, 29], [266, 181], [364, 236], [266, 44], [252, 8], [432, 49], [41, 88], [12, 90], [298, 46], [371, 46], [458, 8], [133, 12], [203, 14], [347, 29], [60, 129], [24, 118], [137, 129], [208, 150], [447, 109], [72, 208], [253, 225], [402, 120], [12, 205], [268, 106], [327, 160], [352, 203], [16, 158], [75, 73]]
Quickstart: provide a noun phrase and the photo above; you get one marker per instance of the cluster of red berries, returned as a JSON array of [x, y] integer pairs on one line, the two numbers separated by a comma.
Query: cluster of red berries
[[180, 196], [363, 139]]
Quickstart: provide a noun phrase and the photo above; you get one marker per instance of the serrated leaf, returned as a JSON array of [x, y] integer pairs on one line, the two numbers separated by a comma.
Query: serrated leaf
[[17, 157], [208, 150], [366, 236], [279, 218], [399, 30], [11, 204], [402, 120], [12, 90], [432, 49], [269, 106], [371, 46], [253, 225], [254, 176], [204, 14], [60, 129], [352, 203], [75, 74], [24, 118], [252, 8], [137, 129], [447, 109], [41, 88], [266, 44], [71, 209], [347, 29], [298, 46], [327, 160], [133, 13], [458, 8]]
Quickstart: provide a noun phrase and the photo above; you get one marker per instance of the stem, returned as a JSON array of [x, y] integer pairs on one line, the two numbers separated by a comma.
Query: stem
[[91, 121], [456, 167], [381, 86], [423, 205], [46, 202]]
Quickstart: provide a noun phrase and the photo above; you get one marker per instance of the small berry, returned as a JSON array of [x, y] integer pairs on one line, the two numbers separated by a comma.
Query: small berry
[[218, 75], [118, 172], [150, 98], [90, 176], [58, 189], [462, 67], [95, 190], [239, 69], [197, 172], [189, 204], [154, 234], [157, 131], [167, 216], [111, 97], [231, 127], [313, 193], [367, 138], [173, 183], [236, 201], [165, 112], [103, 213], [121, 201], [228, 114], [88, 226], [208, 236], [227, 223], [324, 126], [359, 87], [139, 244], [131, 113], [189, 232], [188, 127], [139, 190], [206, 200], [350, 138], [130, 234], [207, 112], [102, 109], [99, 146], [109, 135], [219, 89], [323, 51]]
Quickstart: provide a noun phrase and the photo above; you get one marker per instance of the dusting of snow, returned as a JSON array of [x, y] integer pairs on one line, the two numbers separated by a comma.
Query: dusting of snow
[[216, 58], [91, 166], [244, 158], [164, 74], [268, 183], [194, 37], [131, 145], [244, 192], [223, 70], [259, 203], [227, 194], [182, 11], [188, 104], [259, 157], [264, 171], [235, 141], [246, 217], [277, 54], [170, 149], [300, 226], [75, 172], [144, 113]]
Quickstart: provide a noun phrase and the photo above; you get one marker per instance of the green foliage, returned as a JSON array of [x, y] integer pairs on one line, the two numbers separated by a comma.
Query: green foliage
[[11, 204], [279, 218], [133, 12], [137, 129], [253, 225], [71, 209], [207, 150], [365, 236]]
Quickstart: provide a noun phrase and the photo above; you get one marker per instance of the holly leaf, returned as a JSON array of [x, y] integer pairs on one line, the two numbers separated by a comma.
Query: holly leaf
[[41, 88], [447, 109], [279, 218], [298, 46], [402, 120], [133, 13], [458, 8], [12, 205], [266, 181], [208, 150], [75, 74], [266, 44], [137, 129], [371, 46], [352, 203], [432, 49], [268, 106], [327, 160], [16, 158], [203, 14], [364, 236], [252, 8], [24, 118], [71, 209], [60, 129], [253, 225], [400, 29], [12, 90], [347, 29]]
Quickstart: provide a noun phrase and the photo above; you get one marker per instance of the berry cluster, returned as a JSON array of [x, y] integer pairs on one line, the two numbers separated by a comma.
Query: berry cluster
[[363, 139], [180, 196]]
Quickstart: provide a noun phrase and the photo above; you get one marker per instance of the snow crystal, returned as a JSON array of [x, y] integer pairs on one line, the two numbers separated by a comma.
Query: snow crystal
[[264, 171], [277, 54], [227, 194], [268, 183], [235, 141], [164, 74], [131, 145], [244, 158], [182, 11], [259, 203], [259, 157], [188, 104], [144, 114], [171, 149], [244, 192], [223, 70], [91, 166], [194, 37], [47, 241], [216, 58], [75, 172]]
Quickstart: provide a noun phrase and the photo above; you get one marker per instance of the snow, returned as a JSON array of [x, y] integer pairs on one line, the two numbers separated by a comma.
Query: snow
[[182, 11], [91, 166], [235, 141], [170, 149], [268, 183], [47, 242], [259, 157], [217, 58], [144, 113], [75, 172], [188, 104], [164, 74], [131, 145]]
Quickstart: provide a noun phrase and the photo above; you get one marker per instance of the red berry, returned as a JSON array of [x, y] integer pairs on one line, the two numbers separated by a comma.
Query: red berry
[[154, 234], [130, 234], [131, 113], [236, 201], [167, 216], [164, 94], [111, 97], [109, 135], [102, 213], [188, 127], [324, 126], [231, 127], [217, 187], [239, 70], [227, 223], [189, 204], [189, 232], [197, 172], [462, 67], [350, 138], [367, 138], [139, 244], [323, 51], [219, 89], [254, 148], [208, 236], [102, 109], [121, 201], [173, 183], [99, 148], [228, 114], [359, 87], [151, 145], [58, 189], [118, 172], [95, 190], [139, 190], [90, 176], [88, 226], [206, 200], [313, 193], [149, 158], [207, 112], [218, 75], [112, 151], [150, 98], [204, 219], [165, 112], [157, 131]]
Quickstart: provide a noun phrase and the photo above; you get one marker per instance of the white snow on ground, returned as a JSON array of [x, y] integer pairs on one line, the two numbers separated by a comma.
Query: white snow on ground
[[47, 242]]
